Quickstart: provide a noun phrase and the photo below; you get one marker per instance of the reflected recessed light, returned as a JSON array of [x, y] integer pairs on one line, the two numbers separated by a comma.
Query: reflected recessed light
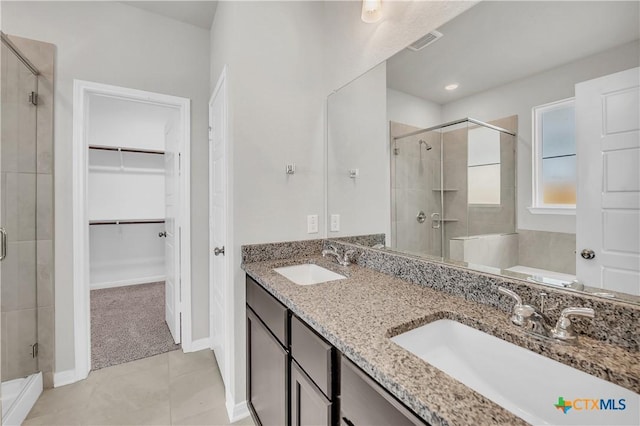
[[453, 86]]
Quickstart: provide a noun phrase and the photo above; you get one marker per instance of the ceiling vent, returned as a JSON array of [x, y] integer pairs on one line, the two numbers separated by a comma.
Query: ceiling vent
[[423, 42]]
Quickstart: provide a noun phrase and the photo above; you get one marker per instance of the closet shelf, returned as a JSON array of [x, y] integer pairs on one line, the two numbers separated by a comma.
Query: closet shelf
[[125, 221], [127, 169], [121, 149]]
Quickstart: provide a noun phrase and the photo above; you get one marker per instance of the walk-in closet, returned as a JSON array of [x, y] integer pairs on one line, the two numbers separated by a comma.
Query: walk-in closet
[[127, 197]]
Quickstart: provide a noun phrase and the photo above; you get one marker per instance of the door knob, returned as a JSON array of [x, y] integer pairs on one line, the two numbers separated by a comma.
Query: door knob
[[162, 234], [218, 251], [588, 254]]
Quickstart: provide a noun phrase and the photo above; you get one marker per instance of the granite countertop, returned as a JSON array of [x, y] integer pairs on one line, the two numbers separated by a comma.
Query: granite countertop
[[358, 315]]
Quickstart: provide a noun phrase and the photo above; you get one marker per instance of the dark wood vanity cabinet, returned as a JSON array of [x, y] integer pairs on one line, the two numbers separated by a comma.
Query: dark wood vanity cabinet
[[295, 377], [309, 406], [267, 357], [365, 402], [314, 377]]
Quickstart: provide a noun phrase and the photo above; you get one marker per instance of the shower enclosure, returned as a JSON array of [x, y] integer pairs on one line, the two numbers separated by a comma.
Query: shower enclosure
[[453, 183], [18, 234]]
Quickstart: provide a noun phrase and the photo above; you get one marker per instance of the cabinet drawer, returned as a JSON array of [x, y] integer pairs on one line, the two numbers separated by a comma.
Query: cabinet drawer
[[313, 354], [365, 402], [270, 311]]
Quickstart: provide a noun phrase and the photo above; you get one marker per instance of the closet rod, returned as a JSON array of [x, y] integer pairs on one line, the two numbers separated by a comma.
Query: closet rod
[[113, 148], [124, 222]]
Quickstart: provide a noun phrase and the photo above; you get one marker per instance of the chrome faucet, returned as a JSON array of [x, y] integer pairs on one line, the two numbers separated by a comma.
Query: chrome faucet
[[344, 260], [521, 313], [564, 329], [538, 324]]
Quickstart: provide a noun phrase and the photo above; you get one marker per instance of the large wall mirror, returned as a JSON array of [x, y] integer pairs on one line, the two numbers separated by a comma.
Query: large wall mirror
[[506, 141]]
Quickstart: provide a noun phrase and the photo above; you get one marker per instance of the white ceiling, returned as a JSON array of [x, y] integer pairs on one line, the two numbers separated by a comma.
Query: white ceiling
[[198, 13], [494, 43]]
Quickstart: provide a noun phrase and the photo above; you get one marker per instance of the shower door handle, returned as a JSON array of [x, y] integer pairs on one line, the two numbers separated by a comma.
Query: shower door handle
[[3, 243], [435, 220]]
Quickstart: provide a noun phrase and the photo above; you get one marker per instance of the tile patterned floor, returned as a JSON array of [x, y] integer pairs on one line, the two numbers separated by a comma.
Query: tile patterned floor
[[168, 389]]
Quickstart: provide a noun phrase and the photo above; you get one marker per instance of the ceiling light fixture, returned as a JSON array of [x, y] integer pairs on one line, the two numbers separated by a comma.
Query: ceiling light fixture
[[452, 86], [371, 11]]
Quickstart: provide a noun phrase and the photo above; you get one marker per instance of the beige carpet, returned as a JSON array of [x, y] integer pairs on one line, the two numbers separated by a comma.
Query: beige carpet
[[127, 323]]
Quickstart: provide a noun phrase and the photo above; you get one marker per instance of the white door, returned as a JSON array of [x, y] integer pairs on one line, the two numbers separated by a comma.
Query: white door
[[218, 221], [172, 230], [608, 206]]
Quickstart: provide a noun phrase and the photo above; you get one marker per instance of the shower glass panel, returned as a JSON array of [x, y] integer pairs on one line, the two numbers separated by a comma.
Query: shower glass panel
[[18, 218], [449, 184], [415, 191]]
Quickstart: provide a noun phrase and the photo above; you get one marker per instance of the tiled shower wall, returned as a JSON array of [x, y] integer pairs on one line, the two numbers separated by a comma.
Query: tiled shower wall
[[28, 305], [415, 173], [553, 251], [478, 219]]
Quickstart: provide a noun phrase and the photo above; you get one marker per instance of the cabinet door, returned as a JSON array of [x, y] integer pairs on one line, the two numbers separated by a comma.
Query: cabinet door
[[364, 402], [309, 406], [266, 374], [314, 355]]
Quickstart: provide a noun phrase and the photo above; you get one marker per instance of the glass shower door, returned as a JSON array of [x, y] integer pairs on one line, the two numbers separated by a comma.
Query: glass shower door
[[415, 192], [18, 195]]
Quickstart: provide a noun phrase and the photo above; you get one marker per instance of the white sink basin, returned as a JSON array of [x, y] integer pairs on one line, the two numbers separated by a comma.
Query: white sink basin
[[308, 273], [523, 382]]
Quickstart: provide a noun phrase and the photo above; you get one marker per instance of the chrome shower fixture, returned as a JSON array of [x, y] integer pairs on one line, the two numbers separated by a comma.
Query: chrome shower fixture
[[426, 145]]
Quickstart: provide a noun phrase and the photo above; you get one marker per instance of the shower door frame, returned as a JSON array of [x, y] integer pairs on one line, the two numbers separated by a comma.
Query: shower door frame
[[81, 290], [467, 120], [5, 242]]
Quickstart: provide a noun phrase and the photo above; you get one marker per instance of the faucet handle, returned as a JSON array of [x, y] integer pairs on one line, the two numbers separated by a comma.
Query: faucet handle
[[511, 293], [520, 312], [564, 329]]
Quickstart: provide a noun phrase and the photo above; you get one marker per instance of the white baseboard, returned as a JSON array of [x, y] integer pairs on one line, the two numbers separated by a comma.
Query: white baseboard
[[236, 411], [197, 345], [24, 401], [144, 280], [64, 378]]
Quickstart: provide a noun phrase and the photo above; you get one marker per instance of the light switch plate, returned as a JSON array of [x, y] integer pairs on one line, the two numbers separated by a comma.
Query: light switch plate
[[312, 224], [335, 222]]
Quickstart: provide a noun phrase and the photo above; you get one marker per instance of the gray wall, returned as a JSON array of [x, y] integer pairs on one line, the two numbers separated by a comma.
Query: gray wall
[[283, 59], [112, 43]]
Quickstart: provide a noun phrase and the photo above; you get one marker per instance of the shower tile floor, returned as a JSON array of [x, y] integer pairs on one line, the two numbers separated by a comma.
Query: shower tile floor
[[173, 388]]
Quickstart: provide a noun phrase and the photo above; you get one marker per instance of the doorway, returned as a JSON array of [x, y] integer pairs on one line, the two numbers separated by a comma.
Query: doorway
[[131, 224]]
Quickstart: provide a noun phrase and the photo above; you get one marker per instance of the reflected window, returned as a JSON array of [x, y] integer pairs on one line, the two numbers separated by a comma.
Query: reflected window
[[554, 147], [483, 166]]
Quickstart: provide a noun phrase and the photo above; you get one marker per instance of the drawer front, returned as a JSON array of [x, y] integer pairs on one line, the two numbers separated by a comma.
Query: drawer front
[[365, 402], [270, 311], [309, 406], [313, 354]]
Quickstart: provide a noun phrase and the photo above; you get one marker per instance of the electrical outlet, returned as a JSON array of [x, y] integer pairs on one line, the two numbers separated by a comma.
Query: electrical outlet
[[312, 224], [335, 222]]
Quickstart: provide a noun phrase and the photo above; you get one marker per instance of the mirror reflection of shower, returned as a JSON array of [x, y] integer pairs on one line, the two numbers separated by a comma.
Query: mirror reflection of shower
[[461, 188], [427, 147]]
